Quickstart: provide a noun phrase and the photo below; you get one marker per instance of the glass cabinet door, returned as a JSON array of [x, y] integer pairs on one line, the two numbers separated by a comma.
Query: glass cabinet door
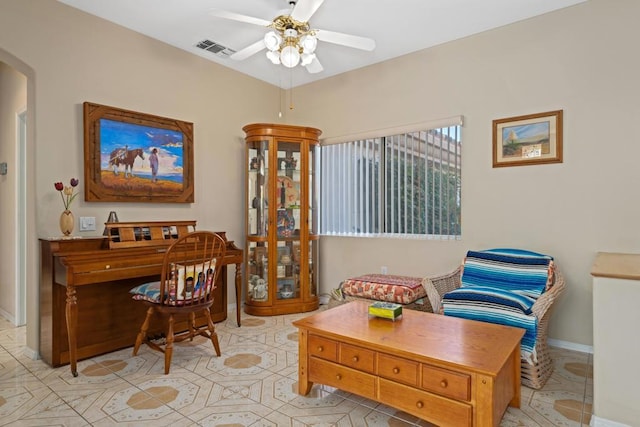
[[313, 267], [288, 220], [258, 272], [257, 188], [312, 191]]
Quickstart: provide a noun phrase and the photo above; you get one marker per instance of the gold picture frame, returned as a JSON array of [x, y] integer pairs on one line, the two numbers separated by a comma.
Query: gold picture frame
[[531, 139], [136, 157]]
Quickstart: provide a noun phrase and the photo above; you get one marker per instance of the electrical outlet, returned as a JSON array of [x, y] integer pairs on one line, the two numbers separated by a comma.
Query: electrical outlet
[[87, 223], [383, 269]]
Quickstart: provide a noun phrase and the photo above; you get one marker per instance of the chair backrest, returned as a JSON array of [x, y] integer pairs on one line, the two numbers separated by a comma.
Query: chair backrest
[[191, 268], [523, 272]]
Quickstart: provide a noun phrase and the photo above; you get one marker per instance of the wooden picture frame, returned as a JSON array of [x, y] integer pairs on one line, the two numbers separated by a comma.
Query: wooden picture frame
[[136, 157], [528, 140]]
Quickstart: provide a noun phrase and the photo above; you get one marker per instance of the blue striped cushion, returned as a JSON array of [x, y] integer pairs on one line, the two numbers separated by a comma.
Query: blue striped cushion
[[522, 272], [492, 296], [498, 306]]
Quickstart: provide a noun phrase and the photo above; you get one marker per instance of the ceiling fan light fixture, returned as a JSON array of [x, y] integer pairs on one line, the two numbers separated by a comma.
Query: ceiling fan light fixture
[[274, 56], [289, 56], [272, 40], [290, 32], [308, 43]]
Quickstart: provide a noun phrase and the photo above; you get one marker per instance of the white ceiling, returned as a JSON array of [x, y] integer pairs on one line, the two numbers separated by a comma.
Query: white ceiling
[[398, 27]]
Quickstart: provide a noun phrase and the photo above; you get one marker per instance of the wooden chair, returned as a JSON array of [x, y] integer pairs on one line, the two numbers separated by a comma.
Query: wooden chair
[[189, 272]]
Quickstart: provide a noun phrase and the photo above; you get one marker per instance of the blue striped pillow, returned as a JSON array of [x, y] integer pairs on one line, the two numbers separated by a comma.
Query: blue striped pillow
[[515, 270]]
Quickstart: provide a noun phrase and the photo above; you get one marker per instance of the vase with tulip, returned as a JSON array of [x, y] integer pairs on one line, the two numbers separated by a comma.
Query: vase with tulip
[[67, 193]]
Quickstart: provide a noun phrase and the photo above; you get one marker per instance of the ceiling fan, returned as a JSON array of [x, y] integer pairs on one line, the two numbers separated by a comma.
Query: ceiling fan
[[291, 40]]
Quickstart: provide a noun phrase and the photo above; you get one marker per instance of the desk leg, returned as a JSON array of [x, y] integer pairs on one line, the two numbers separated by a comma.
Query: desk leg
[[238, 291], [71, 313]]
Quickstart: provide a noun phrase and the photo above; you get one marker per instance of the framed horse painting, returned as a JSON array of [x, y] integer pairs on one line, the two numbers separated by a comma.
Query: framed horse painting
[[136, 157]]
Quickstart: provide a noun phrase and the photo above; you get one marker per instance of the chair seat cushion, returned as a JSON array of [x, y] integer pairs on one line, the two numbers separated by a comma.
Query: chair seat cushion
[[485, 296], [497, 306], [147, 292], [523, 272], [385, 287]]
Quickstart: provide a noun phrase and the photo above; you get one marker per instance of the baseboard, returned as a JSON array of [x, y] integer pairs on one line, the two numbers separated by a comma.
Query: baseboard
[[601, 422], [8, 316], [570, 346], [232, 307], [31, 354]]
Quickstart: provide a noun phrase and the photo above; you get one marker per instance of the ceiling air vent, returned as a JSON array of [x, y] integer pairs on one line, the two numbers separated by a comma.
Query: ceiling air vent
[[215, 48]]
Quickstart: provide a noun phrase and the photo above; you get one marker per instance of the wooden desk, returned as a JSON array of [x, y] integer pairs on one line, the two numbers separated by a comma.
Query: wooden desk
[[85, 305], [448, 371]]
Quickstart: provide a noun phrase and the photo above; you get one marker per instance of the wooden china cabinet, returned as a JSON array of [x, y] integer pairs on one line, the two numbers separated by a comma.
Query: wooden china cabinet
[[281, 262]]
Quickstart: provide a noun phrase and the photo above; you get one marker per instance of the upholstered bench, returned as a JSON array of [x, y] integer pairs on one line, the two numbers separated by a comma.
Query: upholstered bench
[[413, 293]]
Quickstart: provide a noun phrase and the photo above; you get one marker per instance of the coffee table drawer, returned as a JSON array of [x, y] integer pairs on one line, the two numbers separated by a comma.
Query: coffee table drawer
[[347, 379], [435, 409], [398, 369], [357, 357], [446, 383], [323, 347]]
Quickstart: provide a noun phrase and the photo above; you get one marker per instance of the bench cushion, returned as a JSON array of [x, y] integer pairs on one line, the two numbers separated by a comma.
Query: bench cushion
[[385, 287]]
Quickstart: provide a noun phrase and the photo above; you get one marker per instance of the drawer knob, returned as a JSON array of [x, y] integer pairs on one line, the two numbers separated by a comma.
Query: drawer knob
[[355, 358], [419, 404], [338, 377], [396, 370], [106, 267], [444, 383], [320, 349]]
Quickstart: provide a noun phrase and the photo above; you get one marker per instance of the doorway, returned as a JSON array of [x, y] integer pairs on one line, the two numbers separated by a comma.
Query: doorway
[[21, 219]]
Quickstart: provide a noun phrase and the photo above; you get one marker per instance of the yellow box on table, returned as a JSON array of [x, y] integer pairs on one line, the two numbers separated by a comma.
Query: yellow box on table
[[387, 310]]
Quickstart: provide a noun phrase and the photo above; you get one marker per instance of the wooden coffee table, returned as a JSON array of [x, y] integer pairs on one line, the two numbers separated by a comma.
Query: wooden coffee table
[[448, 371]]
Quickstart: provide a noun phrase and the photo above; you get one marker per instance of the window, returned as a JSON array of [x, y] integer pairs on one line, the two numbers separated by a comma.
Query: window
[[399, 183]]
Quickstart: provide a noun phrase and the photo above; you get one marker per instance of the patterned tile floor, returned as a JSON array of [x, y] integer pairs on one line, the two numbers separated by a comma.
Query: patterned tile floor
[[253, 383]]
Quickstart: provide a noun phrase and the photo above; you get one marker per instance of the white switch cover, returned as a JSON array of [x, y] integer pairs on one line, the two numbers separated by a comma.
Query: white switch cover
[[87, 223]]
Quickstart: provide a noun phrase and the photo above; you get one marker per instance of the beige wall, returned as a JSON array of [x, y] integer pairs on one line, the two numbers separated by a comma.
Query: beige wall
[[582, 60], [13, 101], [579, 59], [75, 58]]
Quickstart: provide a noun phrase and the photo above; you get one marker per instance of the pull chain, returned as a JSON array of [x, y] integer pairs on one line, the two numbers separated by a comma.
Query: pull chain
[[291, 89]]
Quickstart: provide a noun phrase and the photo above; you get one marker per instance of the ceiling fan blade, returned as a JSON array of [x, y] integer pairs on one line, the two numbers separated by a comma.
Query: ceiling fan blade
[[252, 49], [304, 9], [238, 17], [315, 66], [357, 42]]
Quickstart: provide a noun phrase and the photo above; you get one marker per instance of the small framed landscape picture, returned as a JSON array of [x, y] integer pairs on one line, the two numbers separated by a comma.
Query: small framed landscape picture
[[528, 140]]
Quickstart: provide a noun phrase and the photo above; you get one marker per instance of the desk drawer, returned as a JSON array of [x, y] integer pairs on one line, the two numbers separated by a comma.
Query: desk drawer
[[433, 408], [398, 369], [446, 383], [323, 347], [357, 357], [341, 377]]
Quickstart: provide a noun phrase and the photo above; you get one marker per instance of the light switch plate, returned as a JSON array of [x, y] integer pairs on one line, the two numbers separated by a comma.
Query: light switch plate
[[87, 223]]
